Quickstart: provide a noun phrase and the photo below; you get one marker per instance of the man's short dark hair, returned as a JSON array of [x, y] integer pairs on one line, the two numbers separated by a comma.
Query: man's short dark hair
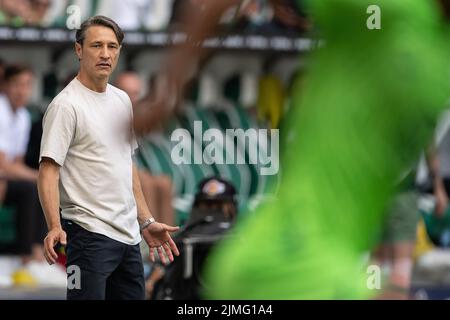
[[98, 21], [13, 70]]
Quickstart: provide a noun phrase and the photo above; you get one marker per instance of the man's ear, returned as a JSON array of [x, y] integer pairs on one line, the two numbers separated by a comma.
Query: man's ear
[[78, 50]]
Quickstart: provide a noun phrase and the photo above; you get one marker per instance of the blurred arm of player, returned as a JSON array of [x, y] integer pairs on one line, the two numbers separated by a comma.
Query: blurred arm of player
[[200, 22], [156, 235], [48, 187], [153, 111]]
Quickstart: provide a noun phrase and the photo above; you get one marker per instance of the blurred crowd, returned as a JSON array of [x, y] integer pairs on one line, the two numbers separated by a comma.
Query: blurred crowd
[[154, 15], [23, 228]]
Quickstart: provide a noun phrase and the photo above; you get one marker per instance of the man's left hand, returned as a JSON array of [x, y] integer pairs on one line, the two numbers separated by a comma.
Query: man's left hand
[[157, 237]]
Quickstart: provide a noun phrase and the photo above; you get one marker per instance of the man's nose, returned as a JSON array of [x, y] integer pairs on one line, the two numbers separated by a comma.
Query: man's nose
[[104, 53]]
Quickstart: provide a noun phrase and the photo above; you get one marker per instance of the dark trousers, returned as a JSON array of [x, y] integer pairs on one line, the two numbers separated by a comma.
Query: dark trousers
[[108, 269], [29, 219]]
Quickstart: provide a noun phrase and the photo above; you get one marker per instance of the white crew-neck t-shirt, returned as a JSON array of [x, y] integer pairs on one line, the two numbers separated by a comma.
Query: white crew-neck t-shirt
[[89, 135]]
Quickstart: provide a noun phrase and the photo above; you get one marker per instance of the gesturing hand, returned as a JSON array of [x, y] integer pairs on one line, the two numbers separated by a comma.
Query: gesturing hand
[[157, 237]]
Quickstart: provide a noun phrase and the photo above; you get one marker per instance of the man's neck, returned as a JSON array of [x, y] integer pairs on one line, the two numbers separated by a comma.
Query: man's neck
[[97, 85]]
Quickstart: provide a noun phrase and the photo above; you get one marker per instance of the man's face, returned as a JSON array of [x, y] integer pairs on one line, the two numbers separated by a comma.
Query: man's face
[[19, 88], [99, 52]]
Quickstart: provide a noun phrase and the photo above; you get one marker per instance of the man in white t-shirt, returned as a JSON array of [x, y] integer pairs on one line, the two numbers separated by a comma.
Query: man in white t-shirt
[[86, 169]]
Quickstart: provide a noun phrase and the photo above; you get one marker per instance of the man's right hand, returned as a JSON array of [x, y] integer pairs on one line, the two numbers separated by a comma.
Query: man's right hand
[[54, 236]]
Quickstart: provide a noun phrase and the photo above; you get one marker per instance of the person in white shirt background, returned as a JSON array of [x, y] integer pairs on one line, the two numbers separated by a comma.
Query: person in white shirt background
[[18, 189]]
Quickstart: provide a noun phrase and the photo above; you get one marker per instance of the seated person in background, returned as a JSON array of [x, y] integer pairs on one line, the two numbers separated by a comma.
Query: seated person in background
[[212, 216], [38, 10], [157, 189], [2, 173], [215, 195], [437, 221], [19, 181], [396, 248], [2, 71], [18, 13], [14, 12], [2, 186]]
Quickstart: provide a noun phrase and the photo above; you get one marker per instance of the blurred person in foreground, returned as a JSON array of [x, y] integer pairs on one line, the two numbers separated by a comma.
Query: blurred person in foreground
[[86, 169], [357, 126]]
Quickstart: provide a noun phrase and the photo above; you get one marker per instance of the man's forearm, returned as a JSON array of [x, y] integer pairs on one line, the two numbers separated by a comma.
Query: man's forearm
[[49, 194], [142, 208]]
